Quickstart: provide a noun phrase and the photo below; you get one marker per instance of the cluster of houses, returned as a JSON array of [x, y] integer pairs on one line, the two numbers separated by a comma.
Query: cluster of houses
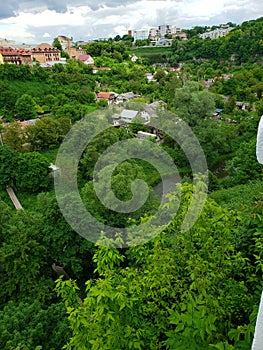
[[210, 81], [240, 105], [217, 33], [127, 115], [44, 53], [114, 98]]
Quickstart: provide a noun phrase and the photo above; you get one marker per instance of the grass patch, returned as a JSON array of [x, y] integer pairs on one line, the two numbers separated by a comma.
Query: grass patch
[[153, 54], [142, 51]]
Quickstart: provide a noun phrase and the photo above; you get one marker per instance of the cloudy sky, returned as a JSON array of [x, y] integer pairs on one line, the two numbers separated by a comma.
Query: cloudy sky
[[36, 21]]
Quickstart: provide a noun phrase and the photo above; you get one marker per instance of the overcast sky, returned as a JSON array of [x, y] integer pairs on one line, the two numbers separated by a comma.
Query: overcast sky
[[37, 21]]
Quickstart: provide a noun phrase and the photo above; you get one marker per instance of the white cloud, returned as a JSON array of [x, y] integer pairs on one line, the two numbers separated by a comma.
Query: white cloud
[[116, 16]]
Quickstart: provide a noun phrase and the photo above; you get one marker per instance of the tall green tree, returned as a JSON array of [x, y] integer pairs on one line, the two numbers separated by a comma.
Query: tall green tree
[[192, 104], [120, 188], [25, 107], [24, 268], [31, 172], [14, 136], [30, 326], [8, 166]]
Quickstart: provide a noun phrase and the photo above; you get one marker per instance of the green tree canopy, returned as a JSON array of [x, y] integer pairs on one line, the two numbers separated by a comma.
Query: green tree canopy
[[182, 290], [8, 166], [31, 172], [25, 107], [193, 104], [14, 136], [28, 326]]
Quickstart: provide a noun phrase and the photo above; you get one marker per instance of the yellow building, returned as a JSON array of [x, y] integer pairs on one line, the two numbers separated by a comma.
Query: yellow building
[[1, 59]]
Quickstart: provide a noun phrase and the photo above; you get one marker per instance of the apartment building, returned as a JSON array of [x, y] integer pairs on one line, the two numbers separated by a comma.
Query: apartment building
[[67, 46], [65, 42], [140, 34], [154, 33], [217, 33], [162, 31], [15, 56], [44, 53]]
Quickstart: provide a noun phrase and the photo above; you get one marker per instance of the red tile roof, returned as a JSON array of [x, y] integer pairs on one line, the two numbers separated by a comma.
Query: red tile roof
[[105, 95], [84, 57]]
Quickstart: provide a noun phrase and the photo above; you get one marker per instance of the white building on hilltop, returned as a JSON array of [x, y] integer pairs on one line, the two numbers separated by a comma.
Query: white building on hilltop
[[140, 34], [217, 33]]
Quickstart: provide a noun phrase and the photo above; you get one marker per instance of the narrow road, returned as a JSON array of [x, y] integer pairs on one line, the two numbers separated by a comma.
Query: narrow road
[[13, 198]]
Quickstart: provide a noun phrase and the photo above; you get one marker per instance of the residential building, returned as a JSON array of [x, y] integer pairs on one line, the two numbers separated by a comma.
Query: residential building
[[15, 56], [124, 97], [55, 170], [87, 59], [164, 29], [45, 53], [141, 34], [154, 33], [181, 35], [207, 83], [142, 135], [217, 33], [74, 53], [175, 31], [134, 58], [65, 42], [110, 97], [128, 114], [67, 46]]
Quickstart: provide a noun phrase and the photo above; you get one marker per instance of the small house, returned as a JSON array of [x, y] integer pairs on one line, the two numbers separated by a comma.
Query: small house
[[87, 59], [128, 114], [134, 58], [124, 97], [142, 135], [110, 97]]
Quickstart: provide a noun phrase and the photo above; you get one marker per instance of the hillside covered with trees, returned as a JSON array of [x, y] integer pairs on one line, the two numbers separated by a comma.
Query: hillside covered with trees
[[195, 289]]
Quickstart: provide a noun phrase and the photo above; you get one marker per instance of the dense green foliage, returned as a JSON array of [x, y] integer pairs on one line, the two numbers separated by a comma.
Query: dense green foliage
[[180, 291], [198, 289]]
